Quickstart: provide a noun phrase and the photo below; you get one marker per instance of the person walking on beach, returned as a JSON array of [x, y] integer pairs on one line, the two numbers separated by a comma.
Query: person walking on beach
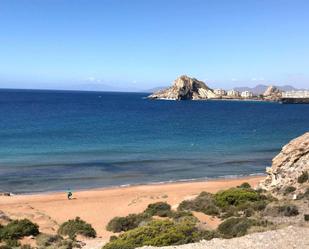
[[69, 194]]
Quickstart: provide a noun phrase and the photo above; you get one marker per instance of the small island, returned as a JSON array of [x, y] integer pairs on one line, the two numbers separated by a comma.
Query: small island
[[187, 88]]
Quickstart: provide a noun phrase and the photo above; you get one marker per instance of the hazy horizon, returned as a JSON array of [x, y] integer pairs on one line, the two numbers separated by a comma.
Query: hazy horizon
[[110, 88], [140, 45]]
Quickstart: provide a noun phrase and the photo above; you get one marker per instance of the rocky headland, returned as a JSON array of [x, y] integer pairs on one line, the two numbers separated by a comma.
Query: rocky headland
[[272, 93], [185, 88], [288, 175]]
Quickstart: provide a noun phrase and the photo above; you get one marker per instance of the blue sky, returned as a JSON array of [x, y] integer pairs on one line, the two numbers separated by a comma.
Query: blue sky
[[132, 45]]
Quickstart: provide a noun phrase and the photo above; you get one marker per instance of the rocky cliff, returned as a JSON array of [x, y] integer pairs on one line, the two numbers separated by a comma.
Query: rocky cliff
[[272, 93], [288, 175], [184, 88]]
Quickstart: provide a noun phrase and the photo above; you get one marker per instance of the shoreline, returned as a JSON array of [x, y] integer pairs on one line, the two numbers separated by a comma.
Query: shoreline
[[98, 206], [213, 99], [193, 180], [221, 99]]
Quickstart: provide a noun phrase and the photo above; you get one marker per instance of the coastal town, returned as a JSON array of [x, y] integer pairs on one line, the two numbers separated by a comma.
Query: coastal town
[[270, 92], [187, 88]]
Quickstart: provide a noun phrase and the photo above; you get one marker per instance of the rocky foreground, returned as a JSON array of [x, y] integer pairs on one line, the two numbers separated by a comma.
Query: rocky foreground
[[287, 238], [288, 175]]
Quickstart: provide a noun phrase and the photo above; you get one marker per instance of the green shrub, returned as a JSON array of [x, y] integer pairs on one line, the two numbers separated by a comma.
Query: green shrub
[[204, 202], [281, 210], [161, 209], [66, 244], [304, 177], [123, 224], [259, 205], [113, 237], [183, 216], [5, 247], [260, 190], [249, 212], [246, 209], [240, 201], [289, 189], [288, 210], [12, 242], [187, 205], [158, 233], [75, 227], [211, 209], [245, 185], [208, 234], [306, 217], [18, 228], [180, 214], [235, 227], [45, 240], [235, 197], [230, 212], [25, 247], [120, 224]]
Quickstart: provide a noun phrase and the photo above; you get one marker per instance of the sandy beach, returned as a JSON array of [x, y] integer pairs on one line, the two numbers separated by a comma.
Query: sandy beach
[[98, 206]]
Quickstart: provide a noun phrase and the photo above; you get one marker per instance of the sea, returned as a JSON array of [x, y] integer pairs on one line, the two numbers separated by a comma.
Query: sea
[[58, 140]]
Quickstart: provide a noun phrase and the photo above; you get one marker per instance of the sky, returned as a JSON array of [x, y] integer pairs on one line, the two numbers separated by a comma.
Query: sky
[[133, 45]]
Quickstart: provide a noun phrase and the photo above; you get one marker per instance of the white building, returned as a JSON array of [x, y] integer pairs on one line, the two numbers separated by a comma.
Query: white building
[[295, 94], [246, 94], [233, 93], [220, 92]]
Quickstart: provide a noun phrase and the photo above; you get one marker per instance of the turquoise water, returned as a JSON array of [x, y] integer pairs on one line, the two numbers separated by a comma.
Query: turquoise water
[[53, 140]]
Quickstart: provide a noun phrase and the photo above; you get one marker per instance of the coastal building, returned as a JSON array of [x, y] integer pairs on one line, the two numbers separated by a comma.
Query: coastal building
[[295, 97], [220, 92], [296, 94], [233, 93], [246, 94]]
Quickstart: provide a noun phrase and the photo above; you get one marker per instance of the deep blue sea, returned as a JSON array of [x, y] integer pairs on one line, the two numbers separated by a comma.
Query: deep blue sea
[[55, 140]]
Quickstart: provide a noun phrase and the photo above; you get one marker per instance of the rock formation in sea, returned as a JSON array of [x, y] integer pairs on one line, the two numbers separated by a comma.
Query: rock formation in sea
[[272, 93], [288, 175], [185, 88]]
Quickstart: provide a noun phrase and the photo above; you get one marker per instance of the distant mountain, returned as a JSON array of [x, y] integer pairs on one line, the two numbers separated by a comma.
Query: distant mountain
[[102, 87], [260, 89], [92, 87], [155, 89], [288, 88]]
